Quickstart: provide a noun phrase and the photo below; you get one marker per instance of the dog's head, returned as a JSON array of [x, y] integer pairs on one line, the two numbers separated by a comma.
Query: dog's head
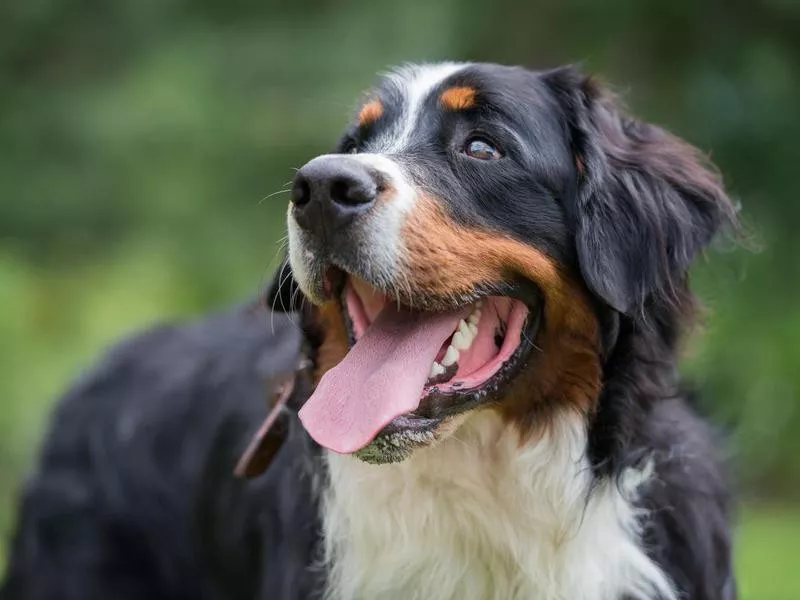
[[475, 243]]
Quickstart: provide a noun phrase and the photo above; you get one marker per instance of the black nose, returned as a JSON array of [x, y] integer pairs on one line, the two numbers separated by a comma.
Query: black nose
[[330, 191]]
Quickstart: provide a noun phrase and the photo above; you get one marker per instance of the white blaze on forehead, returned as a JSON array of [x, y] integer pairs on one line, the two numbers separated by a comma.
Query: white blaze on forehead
[[415, 83]]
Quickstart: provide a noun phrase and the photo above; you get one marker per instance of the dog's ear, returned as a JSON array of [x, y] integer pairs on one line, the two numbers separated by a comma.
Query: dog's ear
[[647, 202], [283, 293]]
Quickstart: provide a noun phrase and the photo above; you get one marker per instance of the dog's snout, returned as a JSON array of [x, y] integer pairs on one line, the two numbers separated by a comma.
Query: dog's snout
[[330, 191]]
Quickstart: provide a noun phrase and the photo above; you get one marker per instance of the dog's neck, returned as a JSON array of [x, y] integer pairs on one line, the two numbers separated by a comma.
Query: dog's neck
[[480, 517]]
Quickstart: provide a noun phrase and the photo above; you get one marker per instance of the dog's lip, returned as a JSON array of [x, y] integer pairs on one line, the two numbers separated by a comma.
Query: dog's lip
[[335, 275]]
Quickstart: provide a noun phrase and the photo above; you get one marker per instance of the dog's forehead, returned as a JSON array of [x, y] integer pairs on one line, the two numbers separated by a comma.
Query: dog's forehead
[[412, 85], [404, 93], [414, 82], [407, 94]]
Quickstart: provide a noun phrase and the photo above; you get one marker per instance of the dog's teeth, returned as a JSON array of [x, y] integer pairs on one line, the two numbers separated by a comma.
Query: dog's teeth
[[462, 327], [459, 341], [450, 357], [473, 328], [474, 317], [462, 339], [436, 370]]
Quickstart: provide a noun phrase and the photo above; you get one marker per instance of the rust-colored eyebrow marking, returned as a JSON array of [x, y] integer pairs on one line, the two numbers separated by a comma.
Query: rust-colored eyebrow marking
[[458, 98], [370, 113]]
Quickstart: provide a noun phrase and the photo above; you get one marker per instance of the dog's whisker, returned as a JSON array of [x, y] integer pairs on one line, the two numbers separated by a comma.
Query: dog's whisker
[[268, 196], [281, 281]]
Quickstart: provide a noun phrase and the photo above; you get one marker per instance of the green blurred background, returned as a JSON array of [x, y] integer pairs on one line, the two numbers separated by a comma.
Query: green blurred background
[[140, 141]]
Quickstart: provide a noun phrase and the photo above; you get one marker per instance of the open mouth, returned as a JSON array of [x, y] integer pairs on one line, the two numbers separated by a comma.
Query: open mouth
[[484, 337], [408, 370]]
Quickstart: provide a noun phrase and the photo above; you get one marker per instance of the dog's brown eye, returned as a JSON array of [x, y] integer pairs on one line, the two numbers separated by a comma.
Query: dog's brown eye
[[481, 149]]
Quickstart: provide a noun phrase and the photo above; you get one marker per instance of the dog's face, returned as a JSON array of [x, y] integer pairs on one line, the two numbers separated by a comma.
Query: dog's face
[[473, 244]]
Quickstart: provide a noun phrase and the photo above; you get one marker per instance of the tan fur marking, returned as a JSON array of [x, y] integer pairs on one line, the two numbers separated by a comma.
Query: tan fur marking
[[370, 112], [335, 339], [458, 98], [446, 259]]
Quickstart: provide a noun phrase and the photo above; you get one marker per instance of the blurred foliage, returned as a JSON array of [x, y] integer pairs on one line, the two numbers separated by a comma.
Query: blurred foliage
[[146, 145], [766, 551]]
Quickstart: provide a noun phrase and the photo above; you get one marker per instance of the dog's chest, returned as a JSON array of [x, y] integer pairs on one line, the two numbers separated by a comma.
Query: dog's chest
[[476, 517]]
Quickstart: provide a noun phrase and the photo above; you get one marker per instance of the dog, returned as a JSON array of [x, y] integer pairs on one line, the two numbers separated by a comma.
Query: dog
[[475, 334]]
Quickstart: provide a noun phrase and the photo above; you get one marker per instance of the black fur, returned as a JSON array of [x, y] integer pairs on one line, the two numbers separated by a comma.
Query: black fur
[[133, 496], [647, 203]]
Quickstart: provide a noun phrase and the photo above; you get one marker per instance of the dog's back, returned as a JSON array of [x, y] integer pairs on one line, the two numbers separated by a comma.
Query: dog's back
[[133, 495]]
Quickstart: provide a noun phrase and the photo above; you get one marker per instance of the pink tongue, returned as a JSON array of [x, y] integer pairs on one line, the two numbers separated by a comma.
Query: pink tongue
[[382, 377]]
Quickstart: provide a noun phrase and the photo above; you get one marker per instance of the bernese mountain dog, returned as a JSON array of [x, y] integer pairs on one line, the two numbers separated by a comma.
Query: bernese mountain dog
[[471, 356]]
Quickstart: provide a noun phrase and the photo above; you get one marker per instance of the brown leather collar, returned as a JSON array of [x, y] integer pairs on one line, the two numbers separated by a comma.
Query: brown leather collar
[[270, 436]]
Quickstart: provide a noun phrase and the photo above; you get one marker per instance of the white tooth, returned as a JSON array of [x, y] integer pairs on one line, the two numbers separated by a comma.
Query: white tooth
[[436, 370], [462, 327], [462, 341], [450, 357], [473, 327], [474, 317]]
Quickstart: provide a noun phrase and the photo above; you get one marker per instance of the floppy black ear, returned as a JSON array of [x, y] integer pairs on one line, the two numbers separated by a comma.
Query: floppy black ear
[[647, 201], [283, 293]]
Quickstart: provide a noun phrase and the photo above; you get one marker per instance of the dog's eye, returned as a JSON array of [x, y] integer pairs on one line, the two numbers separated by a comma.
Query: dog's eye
[[481, 149]]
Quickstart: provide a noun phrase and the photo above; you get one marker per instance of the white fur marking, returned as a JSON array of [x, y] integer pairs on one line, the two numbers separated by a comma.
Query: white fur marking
[[416, 83], [477, 517], [382, 231], [299, 258]]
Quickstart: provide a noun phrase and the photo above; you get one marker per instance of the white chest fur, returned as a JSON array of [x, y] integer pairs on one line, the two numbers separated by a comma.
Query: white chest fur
[[478, 517]]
